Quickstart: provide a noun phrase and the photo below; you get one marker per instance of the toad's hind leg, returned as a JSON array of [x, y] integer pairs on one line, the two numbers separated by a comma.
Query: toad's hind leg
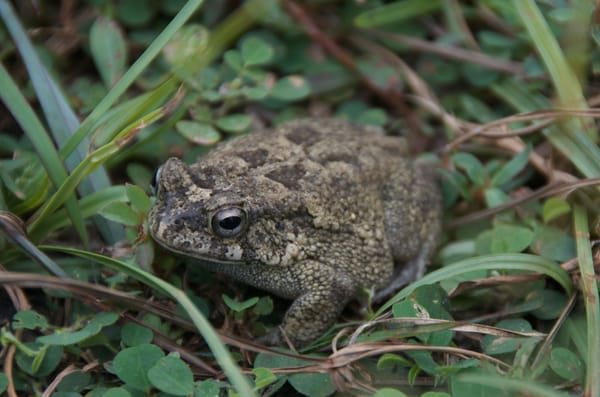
[[325, 292], [413, 211]]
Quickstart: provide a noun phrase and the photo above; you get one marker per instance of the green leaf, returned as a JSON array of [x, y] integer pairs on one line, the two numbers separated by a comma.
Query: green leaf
[[553, 305], [255, 93], [566, 364], [511, 168], [234, 123], [453, 184], [291, 88], [554, 207], [510, 238], [186, 50], [135, 12], [478, 76], [493, 345], [256, 51], [476, 108], [264, 306], [116, 392], [309, 384], [43, 363], [264, 377], [496, 41], [424, 361], [93, 327], [108, 50], [312, 384], [132, 364], [434, 300], [396, 12], [121, 213], [233, 58], [207, 388], [139, 174], [144, 255], [133, 334], [372, 116], [460, 387], [75, 382], [390, 360], [29, 319], [3, 382], [140, 203], [553, 243], [239, 306], [171, 375], [388, 392], [471, 165], [198, 133]]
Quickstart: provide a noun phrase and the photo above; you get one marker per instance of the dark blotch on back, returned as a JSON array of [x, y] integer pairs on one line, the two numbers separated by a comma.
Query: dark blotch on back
[[288, 175], [341, 157], [303, 136], [254, 158], [205, 179]]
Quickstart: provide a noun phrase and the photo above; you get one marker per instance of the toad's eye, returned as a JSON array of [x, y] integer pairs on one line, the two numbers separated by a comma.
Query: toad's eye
[[229, 222], [154, 181]]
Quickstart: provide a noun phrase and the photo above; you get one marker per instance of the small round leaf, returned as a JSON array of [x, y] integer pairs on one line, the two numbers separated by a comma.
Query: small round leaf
[[554, 207], [291, 88], [171, 375], [235, 123], [108, 49], [116, 392], [256, 52], [121, 213], [44, 363], [132, 364], [389, 392], [3, 382], [198, 133], [566, 364], [133, 334]]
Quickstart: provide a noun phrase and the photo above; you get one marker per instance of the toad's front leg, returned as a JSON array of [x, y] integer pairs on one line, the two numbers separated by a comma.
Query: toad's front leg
[[323, 294]]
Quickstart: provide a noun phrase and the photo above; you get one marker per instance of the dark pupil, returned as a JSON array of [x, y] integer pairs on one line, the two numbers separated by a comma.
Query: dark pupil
[[230, 223]]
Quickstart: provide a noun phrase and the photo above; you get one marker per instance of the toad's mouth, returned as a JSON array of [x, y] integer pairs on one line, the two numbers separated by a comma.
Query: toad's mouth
[[202, 251]]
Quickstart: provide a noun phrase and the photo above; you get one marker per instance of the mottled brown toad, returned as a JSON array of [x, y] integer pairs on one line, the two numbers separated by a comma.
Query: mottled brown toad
[[312, 210]]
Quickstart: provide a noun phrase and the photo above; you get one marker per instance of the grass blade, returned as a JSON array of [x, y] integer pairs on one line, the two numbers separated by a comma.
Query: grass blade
[[88, 165], [526, 262], [132, 73], [11, 228], [219, 350], [396, 12], [589, 287], [89, 205], [35, 131], [61, 119], [521, 386], [567, 88]]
